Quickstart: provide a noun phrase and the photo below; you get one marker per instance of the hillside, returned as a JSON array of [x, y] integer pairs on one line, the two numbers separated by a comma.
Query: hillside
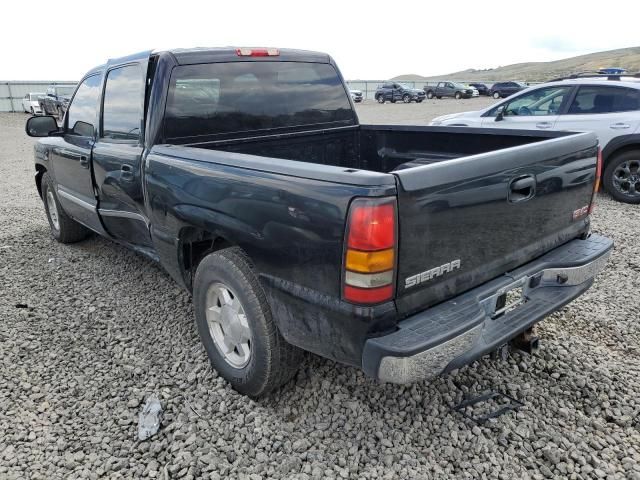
[[628, 58]]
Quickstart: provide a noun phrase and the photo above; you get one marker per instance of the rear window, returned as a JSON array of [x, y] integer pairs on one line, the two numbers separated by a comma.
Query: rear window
[[222, 99]]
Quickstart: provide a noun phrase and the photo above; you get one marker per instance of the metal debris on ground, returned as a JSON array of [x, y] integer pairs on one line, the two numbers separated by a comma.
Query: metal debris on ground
[[150, 418], [493, 406]]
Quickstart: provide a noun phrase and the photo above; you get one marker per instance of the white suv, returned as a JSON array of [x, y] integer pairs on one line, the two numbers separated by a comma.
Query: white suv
[[606, 105]]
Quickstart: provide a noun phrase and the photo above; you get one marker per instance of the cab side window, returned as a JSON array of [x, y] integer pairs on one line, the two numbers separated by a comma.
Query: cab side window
[[81, 116], [122, 107]]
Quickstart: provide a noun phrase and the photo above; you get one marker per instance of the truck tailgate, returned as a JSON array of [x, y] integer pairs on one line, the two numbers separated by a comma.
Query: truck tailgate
[[465, 221]]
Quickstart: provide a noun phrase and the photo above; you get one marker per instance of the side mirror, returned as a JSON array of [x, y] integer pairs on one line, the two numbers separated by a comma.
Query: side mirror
[[43, 126], [500, 114]]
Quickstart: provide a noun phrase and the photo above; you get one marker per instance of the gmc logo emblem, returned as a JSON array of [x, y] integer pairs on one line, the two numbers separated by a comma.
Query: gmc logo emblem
[[581, 212]]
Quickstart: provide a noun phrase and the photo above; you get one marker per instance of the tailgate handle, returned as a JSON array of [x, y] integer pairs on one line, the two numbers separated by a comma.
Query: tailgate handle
[[522, 188]]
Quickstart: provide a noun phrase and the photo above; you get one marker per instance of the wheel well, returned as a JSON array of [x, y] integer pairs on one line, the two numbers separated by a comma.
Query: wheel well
[[40, 170], [195, 245], [618, 151]]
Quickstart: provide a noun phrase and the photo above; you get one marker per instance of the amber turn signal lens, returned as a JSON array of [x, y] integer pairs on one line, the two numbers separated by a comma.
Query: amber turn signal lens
[[368, 262]]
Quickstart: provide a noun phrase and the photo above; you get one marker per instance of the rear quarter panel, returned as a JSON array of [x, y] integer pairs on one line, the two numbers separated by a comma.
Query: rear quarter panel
[[291, 227]]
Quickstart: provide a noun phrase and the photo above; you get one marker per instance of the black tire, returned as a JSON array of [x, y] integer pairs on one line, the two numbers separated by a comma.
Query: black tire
[[272, 361], [458, 95], [406, 98], [63, 228], [419, 101], [380, 98], [496, 95], [429, 94], [622, 177]]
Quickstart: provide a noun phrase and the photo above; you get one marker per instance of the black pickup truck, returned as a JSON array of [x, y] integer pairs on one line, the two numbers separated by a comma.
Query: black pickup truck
[[56, 100], [404, 251]]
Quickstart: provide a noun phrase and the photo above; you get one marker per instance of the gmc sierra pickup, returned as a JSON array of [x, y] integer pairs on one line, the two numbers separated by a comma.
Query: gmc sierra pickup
[[404, 251]]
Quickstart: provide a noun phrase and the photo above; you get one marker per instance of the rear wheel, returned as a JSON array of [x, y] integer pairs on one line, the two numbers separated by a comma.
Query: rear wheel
[[496, 95], [458, 95], [622, 177], [406, 98], [63, 228], [236, 327], [380, 98]]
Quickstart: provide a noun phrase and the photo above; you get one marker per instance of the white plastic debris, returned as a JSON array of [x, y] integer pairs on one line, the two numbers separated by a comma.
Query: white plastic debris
[[150, 418]]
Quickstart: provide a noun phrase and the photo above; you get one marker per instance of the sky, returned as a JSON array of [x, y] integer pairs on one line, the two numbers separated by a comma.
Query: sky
[[369, 40]]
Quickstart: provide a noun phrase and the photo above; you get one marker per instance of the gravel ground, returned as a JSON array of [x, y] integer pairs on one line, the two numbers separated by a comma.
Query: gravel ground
[[104, 328]]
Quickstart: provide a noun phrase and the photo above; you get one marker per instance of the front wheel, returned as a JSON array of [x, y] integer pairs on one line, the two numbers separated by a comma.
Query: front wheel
[[429, 95], [236, 327], [622, 177], [496, 95], [63, 228], [458, 95], [380, 98]]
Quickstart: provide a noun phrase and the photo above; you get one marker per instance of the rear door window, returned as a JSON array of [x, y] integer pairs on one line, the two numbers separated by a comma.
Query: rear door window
[[223, 99], [604, 99]]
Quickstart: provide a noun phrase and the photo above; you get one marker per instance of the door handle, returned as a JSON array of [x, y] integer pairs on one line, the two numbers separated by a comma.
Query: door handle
[[84, 161], [522, 188], [543, 125], [126, 172], [619, 126]]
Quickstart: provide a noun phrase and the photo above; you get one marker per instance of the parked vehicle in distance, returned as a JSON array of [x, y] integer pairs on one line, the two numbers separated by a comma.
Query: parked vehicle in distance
[[481, 87], [505, 89], [394, 92], [56, 100], [356, 95], [402, 250], [450, 89], [606, 105], [30, 103]]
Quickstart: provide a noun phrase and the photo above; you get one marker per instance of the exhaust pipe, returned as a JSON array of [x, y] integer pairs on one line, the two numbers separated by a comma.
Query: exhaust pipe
[[527, 341]]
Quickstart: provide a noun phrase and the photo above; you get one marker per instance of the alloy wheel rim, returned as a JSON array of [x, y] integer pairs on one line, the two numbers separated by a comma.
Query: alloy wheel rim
[[228, 325], [53, 210], [626, 178]]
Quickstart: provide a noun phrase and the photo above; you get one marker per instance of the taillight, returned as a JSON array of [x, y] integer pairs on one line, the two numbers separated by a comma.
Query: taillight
[[257, 52], [596, 183], [370, 254]]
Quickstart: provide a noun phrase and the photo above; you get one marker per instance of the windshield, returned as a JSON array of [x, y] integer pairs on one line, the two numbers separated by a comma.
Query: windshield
[[459, 85], [35, 96], [227, 98], [404, 85]]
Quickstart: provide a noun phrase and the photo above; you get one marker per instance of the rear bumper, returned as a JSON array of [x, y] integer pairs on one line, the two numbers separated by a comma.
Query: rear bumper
[[460, 330]]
